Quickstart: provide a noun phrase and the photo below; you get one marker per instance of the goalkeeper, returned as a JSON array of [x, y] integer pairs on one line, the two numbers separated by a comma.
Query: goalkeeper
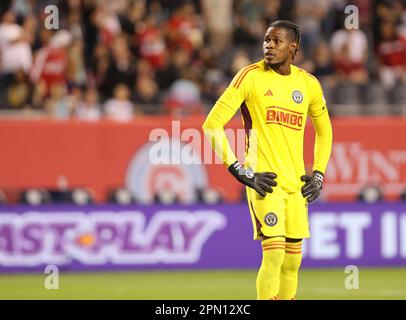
[[275, 97]]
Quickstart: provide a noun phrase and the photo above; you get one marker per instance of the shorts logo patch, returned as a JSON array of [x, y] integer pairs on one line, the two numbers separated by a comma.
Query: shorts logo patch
[[297, 96], [271, 219]]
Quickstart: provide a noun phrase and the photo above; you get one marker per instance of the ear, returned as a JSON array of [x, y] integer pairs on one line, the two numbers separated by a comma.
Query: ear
[[293, 47]]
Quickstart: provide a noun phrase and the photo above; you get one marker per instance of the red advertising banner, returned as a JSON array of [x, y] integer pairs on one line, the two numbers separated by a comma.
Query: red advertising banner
[[155, 153]]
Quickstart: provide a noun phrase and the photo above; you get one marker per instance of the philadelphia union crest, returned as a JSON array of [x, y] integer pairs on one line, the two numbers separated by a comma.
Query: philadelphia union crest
[[297, 96], [271, 219]]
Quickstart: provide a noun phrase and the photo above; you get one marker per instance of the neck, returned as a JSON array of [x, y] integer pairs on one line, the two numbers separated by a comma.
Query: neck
[[282, 68]]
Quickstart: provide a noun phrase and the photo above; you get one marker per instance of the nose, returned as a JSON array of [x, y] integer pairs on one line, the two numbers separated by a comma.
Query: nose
[[270, 45]]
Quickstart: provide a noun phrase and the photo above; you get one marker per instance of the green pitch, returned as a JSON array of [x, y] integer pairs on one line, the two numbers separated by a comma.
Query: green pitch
[[184, 285]]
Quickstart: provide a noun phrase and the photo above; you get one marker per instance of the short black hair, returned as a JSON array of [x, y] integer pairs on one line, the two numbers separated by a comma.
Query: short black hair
[[290, 26]]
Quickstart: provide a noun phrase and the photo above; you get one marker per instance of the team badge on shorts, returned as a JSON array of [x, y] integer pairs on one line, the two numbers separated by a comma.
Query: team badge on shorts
[[271, 219], [297, 96]]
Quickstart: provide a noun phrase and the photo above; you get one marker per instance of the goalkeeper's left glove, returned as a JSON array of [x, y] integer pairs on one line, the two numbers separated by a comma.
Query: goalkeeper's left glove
[[313, 185]]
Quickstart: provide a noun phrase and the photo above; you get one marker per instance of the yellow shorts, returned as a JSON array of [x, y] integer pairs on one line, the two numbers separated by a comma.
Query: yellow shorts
[[278, 214]]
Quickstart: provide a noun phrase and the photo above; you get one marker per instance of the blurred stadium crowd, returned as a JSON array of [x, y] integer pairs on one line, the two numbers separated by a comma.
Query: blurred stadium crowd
[[119, 59]]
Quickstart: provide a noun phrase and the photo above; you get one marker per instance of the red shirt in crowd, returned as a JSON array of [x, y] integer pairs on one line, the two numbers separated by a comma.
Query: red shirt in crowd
[[50, 66], [152, 46], [179, 29], [392, 53]]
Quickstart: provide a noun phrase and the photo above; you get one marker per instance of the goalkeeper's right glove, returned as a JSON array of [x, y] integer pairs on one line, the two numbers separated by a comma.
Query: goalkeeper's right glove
[[261, 182]]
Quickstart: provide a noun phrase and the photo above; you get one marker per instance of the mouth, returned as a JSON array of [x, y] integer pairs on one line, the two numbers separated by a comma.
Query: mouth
[[269, 54]]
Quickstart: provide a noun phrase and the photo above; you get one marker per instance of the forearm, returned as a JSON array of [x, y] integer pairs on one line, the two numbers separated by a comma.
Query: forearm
[[213, 128], [323, 143]]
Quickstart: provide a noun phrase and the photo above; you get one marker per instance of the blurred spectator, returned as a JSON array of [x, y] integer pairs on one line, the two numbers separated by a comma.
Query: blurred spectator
[[150, 41], [365, 8], [184, 96], [303, 62], [323, 69], [213, 80], [334, 18], [350, 52], [213, 86], [402, 21], [60, 105], [90, 30], [286, 10], [120, 108], [121, 68], [19, 91], [76, 70], [178, 61], [100, 62], [242, 35], [30, 29], [43, 38], [22, 8], [15, 50], [272, 10], [157, 48], [239, 61], [75, 24], [323, 64], [309, 16], [162, 9], [172, 5], [108, 24], [51, 61], [385, 10], [89, 108], [184, 29], [250, 23], [146, 95], [251, 10], [137, 13], [391, 54], [39, 95], [218, 15]]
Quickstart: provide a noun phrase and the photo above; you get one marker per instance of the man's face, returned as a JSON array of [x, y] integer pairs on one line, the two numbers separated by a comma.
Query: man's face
[[278, 46]]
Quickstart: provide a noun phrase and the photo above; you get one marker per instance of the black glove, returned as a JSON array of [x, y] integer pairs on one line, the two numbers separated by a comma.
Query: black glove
[[313, 185], [261, 182]]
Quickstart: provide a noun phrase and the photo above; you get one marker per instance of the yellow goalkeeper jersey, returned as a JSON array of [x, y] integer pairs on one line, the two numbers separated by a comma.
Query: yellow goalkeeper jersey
[[274, 110]]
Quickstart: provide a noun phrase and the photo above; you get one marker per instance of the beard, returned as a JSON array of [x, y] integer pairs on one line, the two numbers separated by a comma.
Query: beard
[[275, 65]]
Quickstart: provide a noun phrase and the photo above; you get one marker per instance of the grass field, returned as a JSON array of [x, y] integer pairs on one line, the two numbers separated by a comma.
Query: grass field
[[187, 285]]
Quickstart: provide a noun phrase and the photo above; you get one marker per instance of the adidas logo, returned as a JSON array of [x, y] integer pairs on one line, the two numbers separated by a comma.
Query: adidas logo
[[268, 93]]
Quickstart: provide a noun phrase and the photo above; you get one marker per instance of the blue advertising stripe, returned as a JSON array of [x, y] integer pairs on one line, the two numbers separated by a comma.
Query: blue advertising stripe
[[115, 237]]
